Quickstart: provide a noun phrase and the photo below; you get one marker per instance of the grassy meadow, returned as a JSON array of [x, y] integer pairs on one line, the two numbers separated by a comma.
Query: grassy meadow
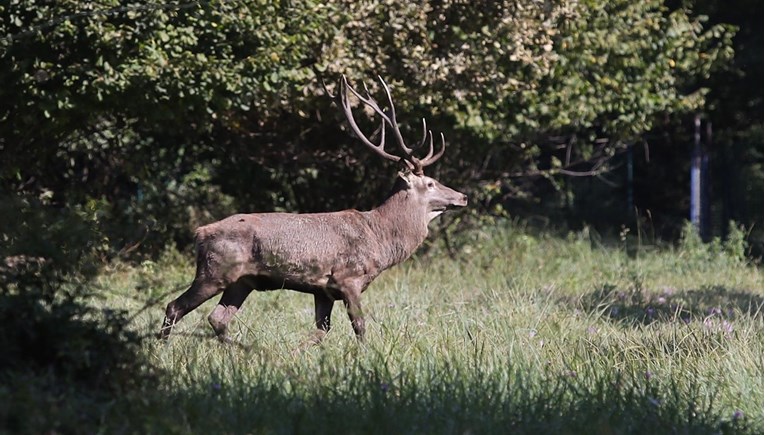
[[517, 334]]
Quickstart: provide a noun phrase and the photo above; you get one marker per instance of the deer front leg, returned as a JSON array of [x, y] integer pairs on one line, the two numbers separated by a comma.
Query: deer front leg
[[352, 301], [323, 308], [323, 305]]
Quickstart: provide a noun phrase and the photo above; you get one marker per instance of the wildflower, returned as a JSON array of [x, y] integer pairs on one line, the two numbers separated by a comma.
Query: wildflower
[[654, 401], [216, 386], [384, 387], [667, 291], [592, 330], [650, 312], [739, 414], [727, 327], [648, 375], [715, 311]]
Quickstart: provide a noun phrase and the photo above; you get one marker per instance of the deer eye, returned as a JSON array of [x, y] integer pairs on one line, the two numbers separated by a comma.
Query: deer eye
[[431, 184]]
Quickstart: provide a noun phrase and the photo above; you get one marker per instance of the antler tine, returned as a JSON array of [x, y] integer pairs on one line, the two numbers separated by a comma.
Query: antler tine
[[424, 133], [382, 134], [430, 150], [394, 123], [370, 101], [326, 90], [430, 159], [369, 94]]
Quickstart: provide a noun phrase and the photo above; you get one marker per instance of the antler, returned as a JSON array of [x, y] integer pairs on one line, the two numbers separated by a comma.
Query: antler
[[413, 163]]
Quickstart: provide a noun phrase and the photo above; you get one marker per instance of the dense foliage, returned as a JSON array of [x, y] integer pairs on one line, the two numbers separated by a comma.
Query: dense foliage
[[165, 116]]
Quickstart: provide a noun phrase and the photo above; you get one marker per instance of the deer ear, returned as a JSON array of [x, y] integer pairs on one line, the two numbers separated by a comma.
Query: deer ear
[[406, 177]]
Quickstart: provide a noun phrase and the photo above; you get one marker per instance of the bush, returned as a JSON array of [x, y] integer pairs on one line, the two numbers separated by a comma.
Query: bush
[[49, 328], [731, 252]]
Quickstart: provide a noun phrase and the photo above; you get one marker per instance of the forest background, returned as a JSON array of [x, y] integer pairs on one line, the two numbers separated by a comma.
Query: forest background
[[151, 119]]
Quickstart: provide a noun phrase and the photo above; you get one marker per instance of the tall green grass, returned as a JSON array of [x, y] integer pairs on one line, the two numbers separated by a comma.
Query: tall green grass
[[519, 334]]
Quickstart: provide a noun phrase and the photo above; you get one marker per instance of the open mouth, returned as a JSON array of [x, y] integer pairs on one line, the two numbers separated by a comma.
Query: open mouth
[[443, 208]]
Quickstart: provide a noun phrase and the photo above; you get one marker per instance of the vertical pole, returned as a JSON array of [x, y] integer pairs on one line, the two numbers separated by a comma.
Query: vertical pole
[[705, 220], [696, 174], [630, 178]]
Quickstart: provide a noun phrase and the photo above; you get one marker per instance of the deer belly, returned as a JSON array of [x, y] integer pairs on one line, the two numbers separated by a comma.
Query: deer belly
[[292, 276], [266, 282]]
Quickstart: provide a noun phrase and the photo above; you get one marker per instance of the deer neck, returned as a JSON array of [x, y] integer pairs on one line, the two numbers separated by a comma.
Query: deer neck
[[402, 226]]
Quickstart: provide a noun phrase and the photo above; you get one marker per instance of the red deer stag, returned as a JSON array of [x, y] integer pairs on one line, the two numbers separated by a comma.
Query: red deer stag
[[330, 255]]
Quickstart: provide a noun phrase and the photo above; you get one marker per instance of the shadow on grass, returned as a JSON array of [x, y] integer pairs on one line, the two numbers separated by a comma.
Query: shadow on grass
[[444, 399], [641, 307], [474, 404]]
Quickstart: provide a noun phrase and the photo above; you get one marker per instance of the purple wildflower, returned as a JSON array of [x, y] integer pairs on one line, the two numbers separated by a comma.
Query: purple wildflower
[[650, 312], [727, 327]]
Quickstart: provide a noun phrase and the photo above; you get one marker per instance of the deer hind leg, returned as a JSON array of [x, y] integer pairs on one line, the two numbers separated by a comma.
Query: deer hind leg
[[198, 293], [229, 304]]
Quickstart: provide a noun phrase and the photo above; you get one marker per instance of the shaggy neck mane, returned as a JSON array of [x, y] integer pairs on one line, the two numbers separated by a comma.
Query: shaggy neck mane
[[402, 224]]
